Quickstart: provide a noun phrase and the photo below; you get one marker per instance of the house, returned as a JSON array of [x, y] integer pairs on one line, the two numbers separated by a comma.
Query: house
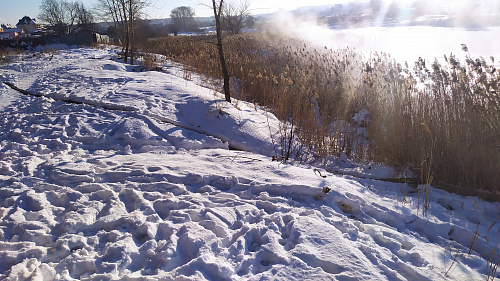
[[8, 33], [28, 24]]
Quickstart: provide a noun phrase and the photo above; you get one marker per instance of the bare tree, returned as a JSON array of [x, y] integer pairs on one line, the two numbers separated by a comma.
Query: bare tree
[[235, 16], [183, 19], [52, 12], [113, 10], [217, 5], [85, 18], [124, 13], [65, 17]]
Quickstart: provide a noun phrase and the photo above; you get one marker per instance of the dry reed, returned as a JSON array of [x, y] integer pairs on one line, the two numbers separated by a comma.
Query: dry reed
[[442, 121]]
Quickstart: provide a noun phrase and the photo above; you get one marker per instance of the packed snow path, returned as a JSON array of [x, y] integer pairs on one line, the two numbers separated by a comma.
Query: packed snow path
[[89, 193]]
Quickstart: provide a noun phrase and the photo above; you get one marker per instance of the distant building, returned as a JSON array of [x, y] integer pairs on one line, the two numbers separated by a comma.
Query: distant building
[[6, 26], [8, 33], [28, 24]]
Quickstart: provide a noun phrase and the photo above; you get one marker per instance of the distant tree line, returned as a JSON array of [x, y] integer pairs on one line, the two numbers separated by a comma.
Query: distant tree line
[[234, 18]]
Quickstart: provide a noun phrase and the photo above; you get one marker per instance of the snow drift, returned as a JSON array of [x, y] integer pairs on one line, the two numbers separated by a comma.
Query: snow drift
[[150, 190]]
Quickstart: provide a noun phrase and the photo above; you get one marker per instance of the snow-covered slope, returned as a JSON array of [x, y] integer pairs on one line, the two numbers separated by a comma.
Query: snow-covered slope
[[133, 179]]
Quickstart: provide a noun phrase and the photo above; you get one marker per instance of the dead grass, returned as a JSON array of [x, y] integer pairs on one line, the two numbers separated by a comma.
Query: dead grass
[[440, 120]]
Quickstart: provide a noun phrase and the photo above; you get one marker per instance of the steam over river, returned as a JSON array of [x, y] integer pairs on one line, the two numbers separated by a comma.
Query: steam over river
[[408, 43]]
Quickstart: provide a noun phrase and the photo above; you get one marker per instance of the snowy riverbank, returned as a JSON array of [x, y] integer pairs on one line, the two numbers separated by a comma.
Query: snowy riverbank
[[137, 182]]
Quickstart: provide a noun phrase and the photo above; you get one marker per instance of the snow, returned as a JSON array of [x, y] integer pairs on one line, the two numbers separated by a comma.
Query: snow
[[115, 174]]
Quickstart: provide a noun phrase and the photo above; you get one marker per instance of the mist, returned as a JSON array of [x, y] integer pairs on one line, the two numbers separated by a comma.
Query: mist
[[426, 29]]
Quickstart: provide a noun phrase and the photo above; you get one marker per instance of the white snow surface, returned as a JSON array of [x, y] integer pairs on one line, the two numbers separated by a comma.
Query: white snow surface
[[137, 182]]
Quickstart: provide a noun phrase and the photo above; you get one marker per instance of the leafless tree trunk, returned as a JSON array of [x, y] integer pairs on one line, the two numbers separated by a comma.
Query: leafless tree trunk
[[127, 28], [225, 74], [131, 30]]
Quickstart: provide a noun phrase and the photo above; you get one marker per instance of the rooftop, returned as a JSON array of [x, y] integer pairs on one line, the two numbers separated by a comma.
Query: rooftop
[[26, 21]]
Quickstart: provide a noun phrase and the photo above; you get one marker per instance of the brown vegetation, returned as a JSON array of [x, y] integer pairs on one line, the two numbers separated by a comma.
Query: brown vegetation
[[443, 121]]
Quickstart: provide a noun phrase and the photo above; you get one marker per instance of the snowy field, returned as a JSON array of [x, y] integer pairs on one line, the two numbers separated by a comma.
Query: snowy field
[[121, 175]]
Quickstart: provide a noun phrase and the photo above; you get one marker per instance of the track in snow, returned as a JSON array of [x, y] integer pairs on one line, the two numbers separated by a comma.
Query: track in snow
[[88, 193]]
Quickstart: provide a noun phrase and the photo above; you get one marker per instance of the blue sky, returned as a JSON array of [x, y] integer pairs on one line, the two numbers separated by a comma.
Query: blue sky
[[13, 10]]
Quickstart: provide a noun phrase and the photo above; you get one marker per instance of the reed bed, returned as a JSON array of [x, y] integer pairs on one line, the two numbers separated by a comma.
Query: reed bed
[[441, 120]]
